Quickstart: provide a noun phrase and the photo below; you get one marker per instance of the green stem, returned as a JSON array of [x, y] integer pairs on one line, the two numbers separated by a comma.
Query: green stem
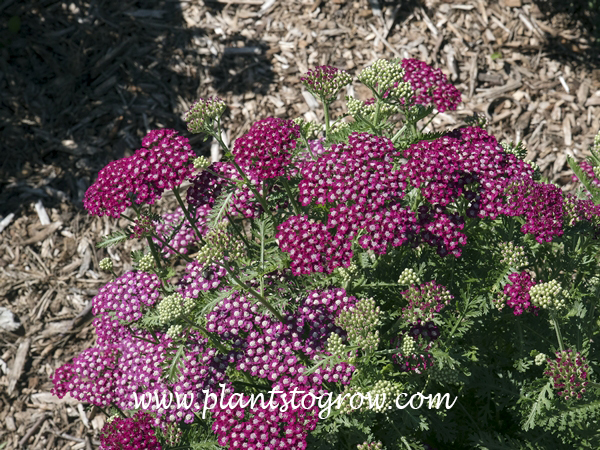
[[118, 409], [186, 213], [154, 252], [398, 134], [295, 205], [430, 120], [259, 197], [217, 136], [377, 112], [326, 111], [237, 230], [558, 333], [263, 301]]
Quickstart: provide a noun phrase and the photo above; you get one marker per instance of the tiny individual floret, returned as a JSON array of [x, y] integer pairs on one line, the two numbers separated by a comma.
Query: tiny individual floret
[[106, 264], [326, 82], [408, 277], [360, 322], [200, 118], [569, 374], [513, 255], [370, 446], [548, 295], [201, 163], [146, 263], [173, 307], [386, 80]]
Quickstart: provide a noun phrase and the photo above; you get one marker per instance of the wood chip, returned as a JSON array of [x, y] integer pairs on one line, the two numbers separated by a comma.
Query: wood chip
[[18, 364], [43, 234]]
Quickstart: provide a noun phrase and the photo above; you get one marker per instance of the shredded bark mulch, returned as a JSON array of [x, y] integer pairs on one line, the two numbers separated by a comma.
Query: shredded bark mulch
[[81, 82]]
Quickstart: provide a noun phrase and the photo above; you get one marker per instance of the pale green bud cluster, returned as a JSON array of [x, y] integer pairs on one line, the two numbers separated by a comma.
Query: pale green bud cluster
[[173, 434], [360, 322], [326, 82], [370, 446], [384, 76], [597, 171], [308, 128], [548, 295], [596, 148], [513, 255], [220, 243], [540, 359], [335, 345], [347, 273], [106, 264], [408, 277], [387, 388], [173, 307], [340, 126], [517, 149], [408, 346], [358, 107], [594, 281], [146, 263], [201, 163], [500, 301], [444, 374], [200, 118], [175, 331]]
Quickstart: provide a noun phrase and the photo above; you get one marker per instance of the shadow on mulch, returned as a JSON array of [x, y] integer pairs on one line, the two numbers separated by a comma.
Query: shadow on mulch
[[582, 15], [81, 82]]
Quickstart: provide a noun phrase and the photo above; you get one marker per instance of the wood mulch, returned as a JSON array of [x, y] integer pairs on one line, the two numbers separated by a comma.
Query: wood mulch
[[82, 81]]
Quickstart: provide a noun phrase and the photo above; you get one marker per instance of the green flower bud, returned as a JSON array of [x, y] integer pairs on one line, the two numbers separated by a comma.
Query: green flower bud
[[106, 264]]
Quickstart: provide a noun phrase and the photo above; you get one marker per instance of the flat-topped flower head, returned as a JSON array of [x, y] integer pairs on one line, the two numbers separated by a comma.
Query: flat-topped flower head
[[326, 82], [133, 433], [162, 163], [266, 150], [430, 85], [200, 118]]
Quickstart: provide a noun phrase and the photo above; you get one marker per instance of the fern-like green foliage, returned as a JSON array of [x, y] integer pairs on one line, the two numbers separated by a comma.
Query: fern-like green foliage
[[113, 239]]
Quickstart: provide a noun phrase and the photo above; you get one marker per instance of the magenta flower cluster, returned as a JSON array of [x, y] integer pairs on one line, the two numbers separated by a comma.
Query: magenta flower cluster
[[431, 86], [162, 163], [266, 150], [569, 373], [176, 230], [311, 246], [516, 292], [134, 433], [424, 335]]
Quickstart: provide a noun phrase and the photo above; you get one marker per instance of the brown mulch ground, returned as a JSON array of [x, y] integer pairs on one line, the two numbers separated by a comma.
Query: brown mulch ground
[[81, 82]]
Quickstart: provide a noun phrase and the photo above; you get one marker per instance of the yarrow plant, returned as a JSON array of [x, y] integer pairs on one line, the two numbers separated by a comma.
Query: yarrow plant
[[371, 259]]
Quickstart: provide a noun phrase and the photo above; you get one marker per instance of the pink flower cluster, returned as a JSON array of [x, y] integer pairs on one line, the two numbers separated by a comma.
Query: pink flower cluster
[[162, 163], [569, 373], [263, 428], [431, 86], [199, 277], [127, 296], [134, 433], [517, 294], [266, 150], [311, 246]]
